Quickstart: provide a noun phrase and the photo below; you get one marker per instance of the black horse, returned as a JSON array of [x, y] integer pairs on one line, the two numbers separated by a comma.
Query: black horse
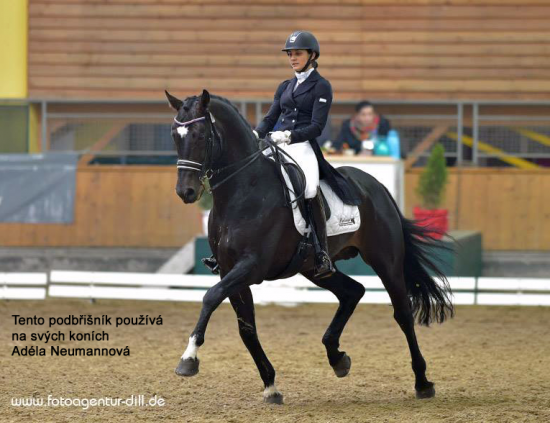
[[253, 237]]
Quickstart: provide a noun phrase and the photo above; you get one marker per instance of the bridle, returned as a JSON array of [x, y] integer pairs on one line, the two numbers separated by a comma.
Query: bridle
[[206, 172], [189, 164], [205, 169]]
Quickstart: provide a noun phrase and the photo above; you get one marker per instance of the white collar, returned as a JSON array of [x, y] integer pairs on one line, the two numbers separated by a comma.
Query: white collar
[[302, 76]]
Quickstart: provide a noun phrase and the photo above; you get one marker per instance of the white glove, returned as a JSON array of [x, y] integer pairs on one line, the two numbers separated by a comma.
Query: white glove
[[280, 137], [256, 134]]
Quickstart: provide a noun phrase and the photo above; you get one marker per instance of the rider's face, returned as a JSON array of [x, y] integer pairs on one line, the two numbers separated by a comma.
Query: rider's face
[[297, 59]]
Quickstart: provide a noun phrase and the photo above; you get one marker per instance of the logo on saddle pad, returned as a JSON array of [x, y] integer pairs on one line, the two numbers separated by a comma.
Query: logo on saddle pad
[[347, 222]]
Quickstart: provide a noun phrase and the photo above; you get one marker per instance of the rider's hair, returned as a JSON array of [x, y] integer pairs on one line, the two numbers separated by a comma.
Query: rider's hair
[[313, 61]]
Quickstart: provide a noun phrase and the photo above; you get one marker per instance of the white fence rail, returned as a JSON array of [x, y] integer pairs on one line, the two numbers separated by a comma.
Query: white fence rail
[[129, 286], [23, 286], [295, 290]]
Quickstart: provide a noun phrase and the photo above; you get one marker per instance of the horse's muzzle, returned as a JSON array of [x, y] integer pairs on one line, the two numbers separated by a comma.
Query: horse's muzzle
[[188, 195]]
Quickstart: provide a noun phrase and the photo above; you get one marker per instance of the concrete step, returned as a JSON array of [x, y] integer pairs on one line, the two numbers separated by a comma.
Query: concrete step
[[516, 264]]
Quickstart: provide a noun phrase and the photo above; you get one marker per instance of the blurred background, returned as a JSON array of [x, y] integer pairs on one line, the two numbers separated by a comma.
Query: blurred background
[[87, 164]]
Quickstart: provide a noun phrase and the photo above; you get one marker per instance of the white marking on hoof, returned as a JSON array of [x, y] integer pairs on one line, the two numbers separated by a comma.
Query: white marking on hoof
[[270, 391], [191, 350]]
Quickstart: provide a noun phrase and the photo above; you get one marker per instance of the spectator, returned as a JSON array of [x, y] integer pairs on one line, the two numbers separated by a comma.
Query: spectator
[[365, 125]]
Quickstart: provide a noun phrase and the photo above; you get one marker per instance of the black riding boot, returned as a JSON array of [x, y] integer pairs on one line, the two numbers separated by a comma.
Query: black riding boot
[[322, 264], [211, 264]]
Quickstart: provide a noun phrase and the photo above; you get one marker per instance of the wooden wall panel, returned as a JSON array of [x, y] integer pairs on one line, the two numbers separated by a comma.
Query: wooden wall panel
[[416, 49], [127, 206], [511, 207], [117, 206]]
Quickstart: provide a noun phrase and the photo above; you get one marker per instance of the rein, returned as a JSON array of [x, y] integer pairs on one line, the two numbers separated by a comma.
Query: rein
[[206, 170], [275, 151]]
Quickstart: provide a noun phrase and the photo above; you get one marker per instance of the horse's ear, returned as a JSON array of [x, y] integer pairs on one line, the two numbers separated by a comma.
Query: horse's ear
[[174, 102], [205, 99]]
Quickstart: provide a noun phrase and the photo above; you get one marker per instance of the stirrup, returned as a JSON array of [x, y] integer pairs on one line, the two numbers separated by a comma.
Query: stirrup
[[323, 266], [211, 264]]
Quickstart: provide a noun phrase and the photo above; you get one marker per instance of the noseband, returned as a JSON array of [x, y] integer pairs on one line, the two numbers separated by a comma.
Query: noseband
[[205, 169], [189, 164]]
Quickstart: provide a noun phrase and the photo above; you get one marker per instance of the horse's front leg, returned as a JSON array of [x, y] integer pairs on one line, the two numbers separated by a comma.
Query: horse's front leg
[[245, 273], [243, 304]]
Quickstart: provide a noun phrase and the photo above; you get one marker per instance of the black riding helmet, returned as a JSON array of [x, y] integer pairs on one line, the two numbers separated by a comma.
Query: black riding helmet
[[304, 40]]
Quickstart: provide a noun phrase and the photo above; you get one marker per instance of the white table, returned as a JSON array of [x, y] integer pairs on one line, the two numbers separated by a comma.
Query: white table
[[387, 170]]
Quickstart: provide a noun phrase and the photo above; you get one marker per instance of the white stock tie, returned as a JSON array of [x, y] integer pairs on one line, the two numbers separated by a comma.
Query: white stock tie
[[302, 76]]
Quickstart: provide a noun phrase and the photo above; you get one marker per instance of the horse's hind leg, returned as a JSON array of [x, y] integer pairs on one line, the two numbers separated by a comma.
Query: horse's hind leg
[[394, 282], [348, 292], [243, 304]]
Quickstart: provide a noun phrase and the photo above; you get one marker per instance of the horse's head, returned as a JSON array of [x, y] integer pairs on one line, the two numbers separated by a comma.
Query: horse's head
[[190, 134]]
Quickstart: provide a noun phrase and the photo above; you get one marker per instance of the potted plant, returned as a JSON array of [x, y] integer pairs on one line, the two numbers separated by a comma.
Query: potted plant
[[206, 203], [431, 190]]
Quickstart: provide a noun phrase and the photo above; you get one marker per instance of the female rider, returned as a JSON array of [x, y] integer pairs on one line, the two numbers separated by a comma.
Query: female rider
[[302, 104], [300, 107]]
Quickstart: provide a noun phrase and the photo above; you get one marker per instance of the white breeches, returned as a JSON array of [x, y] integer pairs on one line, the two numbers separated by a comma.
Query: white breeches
[[304, 155]]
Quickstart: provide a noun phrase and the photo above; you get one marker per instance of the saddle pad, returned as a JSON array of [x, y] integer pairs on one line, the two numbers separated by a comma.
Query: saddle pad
[[344, 218]]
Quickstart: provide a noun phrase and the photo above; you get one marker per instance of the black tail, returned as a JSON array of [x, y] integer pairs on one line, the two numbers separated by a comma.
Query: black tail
[[430, 301]]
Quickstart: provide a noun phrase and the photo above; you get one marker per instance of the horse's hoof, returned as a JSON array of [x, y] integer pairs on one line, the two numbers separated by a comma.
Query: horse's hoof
[[341, 369], [188, 367], [427, 392], [276, 398]]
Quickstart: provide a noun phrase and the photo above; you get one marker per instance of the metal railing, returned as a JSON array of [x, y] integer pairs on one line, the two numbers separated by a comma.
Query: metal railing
[[475, 133]]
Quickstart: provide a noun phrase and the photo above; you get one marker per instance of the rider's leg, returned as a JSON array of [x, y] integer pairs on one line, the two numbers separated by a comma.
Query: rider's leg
[[322, 264], [305, 156]]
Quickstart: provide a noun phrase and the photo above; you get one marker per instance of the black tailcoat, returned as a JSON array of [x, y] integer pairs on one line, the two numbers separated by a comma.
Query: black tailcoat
[[304, 113]]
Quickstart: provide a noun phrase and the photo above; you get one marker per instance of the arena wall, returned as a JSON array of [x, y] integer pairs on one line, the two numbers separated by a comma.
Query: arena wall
[[511, 207], [136, 206], [383, 49], [116, 206]]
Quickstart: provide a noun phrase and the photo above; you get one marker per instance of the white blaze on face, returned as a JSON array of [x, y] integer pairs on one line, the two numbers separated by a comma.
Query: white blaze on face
[[182, 131], [191, 351]]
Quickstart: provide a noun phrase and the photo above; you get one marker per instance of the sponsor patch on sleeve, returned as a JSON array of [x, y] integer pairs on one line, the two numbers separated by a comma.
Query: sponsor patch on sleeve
[[322, 100]]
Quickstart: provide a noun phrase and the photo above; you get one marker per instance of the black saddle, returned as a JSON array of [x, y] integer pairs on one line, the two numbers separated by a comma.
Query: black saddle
[[296, 178], [298, 186]]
